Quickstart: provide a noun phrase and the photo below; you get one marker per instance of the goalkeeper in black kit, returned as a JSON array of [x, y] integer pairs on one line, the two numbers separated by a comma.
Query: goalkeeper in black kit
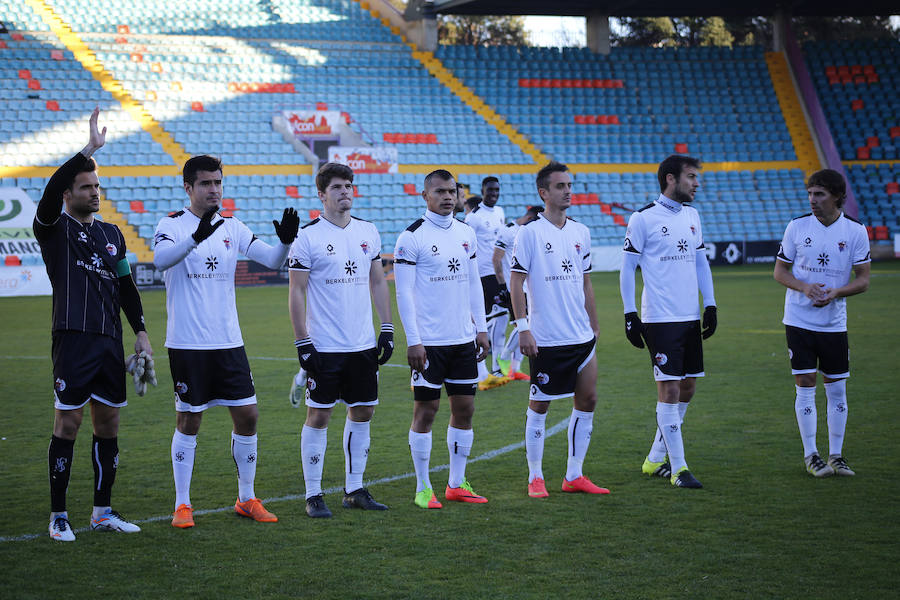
[[92, 282]]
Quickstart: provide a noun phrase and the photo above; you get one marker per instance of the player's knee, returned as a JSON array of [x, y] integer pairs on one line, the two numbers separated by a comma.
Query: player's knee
[[806, 379], [361, 414], [687, 389], [585, 402], [317, 418], [66, 425]]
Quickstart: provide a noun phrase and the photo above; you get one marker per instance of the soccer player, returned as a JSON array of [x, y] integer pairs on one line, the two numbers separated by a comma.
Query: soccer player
[[817, 254], [472, 203], [553, 254], [436, 272], [666, 240], [510, 354], [92, 282], [460, 200], [335, 265], [197, 249], [487, 219]]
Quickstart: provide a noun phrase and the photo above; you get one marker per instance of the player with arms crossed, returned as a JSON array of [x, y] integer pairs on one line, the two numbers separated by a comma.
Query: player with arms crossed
[[436, 273], [817, 254], [666, 240], [510, 357], [335, 265], [92, 282], [553, 254], [197, 249]]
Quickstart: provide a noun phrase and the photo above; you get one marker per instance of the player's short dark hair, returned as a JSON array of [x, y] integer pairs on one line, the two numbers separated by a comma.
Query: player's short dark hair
[[441, 174], [489, 179], [543, 176], [534, 210], [832, 181], [204, 162], [89, 166], [460, 186], [329, 171], [674, 165], [473, 201]]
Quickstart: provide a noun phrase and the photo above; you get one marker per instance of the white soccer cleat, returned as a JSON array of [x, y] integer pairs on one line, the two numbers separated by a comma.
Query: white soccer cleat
[[61, 529], [113, 521]]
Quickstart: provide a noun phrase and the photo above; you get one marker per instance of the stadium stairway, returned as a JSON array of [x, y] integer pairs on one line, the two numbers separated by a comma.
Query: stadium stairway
[[89, 61], [792, 111], [434, 66]]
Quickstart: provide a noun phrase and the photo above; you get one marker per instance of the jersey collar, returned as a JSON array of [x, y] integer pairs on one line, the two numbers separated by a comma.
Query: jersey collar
[[669, 204], [442, 221]]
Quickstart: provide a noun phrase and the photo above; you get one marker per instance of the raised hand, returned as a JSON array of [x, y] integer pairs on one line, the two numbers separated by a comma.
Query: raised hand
[[206, 228], [287, 229], [97, 138]]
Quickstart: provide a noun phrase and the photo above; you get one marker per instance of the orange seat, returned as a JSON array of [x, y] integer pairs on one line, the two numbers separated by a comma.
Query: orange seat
[[137, 206], [895, 131], [12, 260], [321, 106], [892, 188], [197, 106], [52, 105], [871, 231], [291, 191], [857, 104], [228, 203], [862, 153], [872, 141], [681, 148], [314, 214], [409, 188], [34, 84], [619, 220], [881, 232]]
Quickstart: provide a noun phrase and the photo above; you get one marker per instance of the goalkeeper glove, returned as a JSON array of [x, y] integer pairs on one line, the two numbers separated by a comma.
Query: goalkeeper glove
[[307, 354], [385, 343], [633, 329], [143, 371], [710, 321]]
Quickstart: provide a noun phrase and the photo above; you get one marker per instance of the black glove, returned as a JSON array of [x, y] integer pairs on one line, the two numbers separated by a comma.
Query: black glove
[[634, 329], [308, 355], [287, 229], [710, 321], [206, 228], [385, 343], [502, 297]]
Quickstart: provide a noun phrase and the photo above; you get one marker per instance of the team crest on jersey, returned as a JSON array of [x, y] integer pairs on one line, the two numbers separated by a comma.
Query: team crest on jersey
[[181, 387], [577, 247], [842, 246], [365, 247], [82, 236], [60, 384], [111, 248], [310, 383], [400, 251], [466, 247], [543, 378], [661, 358], [227, 242], [693, 230]]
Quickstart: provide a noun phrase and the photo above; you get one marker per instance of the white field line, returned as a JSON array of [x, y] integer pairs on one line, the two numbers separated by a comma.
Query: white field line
[[334, 490]]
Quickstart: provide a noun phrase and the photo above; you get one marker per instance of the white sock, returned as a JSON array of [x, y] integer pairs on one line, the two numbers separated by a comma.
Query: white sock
[[658, 446], [243, 451], [668, 420], [420, 448], [498, 336], [99, 511], [459, 443], [312, 451], [183, 449], [535, 431], [356, 453], [805, 408], [482, 371], [581, 424], [836, 395]]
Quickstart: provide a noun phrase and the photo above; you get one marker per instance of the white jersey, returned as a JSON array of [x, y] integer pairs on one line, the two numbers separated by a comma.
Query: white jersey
[[506, 239], [820, 254], [667, 236], [554, 261], [338, 260], [487, 222], [202, 314], [445, 261]]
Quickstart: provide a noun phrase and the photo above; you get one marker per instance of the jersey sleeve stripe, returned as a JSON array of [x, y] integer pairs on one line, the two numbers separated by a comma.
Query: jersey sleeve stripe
[[403, 261]]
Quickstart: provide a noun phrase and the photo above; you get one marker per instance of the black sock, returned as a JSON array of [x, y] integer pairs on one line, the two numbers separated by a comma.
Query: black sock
[[60, 462], [105, 457]]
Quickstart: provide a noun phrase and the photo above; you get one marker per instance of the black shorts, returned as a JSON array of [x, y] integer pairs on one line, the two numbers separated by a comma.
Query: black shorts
[[555, 370], [829, 350], [87, 366], [453, 366], [491, 288], [676, 350], [351, 377], [207, 378]]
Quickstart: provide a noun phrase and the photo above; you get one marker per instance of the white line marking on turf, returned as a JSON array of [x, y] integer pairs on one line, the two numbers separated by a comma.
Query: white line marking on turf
[[335, 490]]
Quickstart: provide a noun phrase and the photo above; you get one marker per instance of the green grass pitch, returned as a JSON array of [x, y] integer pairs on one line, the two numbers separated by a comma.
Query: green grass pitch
[[760, 528]]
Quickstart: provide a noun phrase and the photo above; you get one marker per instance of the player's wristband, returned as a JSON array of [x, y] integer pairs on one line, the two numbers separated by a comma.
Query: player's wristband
[[387, 327], [522, 325]]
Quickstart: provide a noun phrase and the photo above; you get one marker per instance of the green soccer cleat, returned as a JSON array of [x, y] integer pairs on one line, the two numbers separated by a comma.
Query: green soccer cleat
[[816, 467], [427, 499], [840, 466], [684, 478], [657, 469]]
